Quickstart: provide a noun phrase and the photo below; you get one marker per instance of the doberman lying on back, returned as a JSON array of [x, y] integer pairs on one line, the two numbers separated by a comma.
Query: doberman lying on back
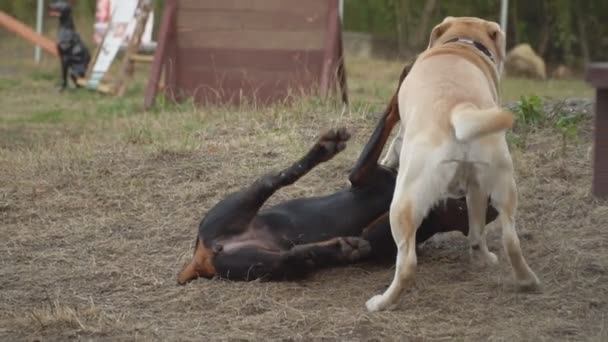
[[73, 54], [236, 240]]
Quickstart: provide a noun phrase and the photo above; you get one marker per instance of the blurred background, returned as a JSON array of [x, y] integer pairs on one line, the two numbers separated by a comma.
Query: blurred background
[[561, 32]]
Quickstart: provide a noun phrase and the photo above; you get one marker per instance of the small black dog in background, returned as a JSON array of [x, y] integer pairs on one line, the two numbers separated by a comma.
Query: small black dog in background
[[73, 54]]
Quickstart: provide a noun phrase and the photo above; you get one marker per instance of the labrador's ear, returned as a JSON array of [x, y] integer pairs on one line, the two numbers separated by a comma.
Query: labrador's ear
[[439, 30], [498, 37]]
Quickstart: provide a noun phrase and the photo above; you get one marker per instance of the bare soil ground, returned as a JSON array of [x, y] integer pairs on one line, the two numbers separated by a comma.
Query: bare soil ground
[[99, 205]]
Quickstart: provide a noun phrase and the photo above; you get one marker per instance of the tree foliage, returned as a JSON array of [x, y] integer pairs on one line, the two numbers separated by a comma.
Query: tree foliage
[[562, 31]]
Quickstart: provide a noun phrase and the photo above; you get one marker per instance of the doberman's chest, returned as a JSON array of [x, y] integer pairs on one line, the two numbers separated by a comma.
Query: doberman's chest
[[317, 219], [253, 236]]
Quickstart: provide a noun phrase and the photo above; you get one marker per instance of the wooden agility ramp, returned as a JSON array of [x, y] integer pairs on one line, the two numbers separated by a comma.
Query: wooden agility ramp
[[262, 51], [134, 13]]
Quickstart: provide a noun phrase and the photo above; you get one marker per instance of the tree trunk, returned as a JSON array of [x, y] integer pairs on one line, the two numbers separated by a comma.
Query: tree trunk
[[580, 22], [543, 37], [513, 26], [401, 21], [423, 26]]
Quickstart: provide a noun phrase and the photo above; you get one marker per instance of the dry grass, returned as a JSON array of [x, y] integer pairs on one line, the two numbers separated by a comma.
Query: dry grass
[[99, 204]]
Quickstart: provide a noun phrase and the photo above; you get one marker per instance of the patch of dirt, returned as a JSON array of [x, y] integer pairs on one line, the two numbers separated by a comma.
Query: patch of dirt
[[93, 236]]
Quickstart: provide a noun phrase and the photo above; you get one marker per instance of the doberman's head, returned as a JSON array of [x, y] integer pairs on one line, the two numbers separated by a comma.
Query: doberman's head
[[200, 266], [63, 11], [227, 217], [60, 9]]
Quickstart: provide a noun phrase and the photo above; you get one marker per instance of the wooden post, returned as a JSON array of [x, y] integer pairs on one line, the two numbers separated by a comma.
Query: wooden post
[[342, 69], [597, 75], [331, 42], [166, 29]]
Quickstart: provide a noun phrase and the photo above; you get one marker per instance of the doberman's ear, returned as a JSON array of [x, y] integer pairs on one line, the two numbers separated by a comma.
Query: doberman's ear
[[439, 30]]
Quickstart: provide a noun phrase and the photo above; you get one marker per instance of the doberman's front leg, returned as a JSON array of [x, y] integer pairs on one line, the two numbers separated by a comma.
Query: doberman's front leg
[[368, 160], [234, 213], [339, 250], [330, 144], [64, 69]]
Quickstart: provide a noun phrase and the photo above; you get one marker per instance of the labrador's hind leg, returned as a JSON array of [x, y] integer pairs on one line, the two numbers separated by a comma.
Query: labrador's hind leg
[[477, 205], [504, 198], [410, 205]]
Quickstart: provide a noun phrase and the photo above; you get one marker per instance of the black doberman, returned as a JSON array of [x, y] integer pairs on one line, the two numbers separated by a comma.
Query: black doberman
[[73, 54], [236, 240]]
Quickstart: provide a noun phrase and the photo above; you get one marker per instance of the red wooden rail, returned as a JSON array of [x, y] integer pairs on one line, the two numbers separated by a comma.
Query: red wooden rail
[[28, 34], [597, 75], [248, 50]]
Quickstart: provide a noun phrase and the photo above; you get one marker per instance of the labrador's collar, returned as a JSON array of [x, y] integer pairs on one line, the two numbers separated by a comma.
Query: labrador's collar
[[479, 46]]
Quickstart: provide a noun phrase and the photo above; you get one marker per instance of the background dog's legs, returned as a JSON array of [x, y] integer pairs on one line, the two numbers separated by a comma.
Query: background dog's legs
[[477, 203], [504, 198], [75, 81], [64, 72]]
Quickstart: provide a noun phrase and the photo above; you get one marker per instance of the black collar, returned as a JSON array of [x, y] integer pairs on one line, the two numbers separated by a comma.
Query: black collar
[[475, 43]]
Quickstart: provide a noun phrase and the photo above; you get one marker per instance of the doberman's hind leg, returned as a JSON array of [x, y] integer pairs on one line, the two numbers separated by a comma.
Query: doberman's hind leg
[[339, 250]]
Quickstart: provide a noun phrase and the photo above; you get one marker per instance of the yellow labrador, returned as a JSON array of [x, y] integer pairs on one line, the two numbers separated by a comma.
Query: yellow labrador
[[453, 144]]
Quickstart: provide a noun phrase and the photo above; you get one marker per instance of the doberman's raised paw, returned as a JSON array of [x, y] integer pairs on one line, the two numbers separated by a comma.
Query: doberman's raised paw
[[333, 142], [354, 248]]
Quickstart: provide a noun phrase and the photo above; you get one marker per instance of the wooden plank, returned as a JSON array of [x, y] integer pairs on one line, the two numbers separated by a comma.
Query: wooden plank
[[267, 40], [166, 29], [597, 75], [329, 59], [102, 87], [137, 58], [224, 20], [342, 70], [267, 60], [600, 160], [28, 34], [291, 6]]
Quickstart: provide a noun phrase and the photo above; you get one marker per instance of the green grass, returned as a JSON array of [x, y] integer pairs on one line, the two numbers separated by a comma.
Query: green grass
[[30, 94], [514, 88], [47, 116]]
